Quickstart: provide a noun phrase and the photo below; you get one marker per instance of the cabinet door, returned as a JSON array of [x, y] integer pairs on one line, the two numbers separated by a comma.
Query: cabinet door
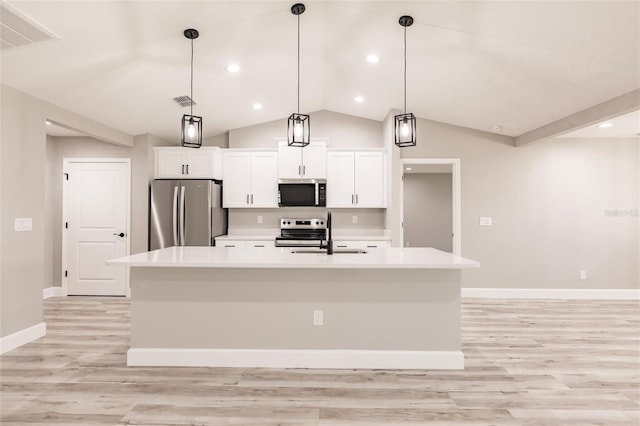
[[200, 162], [289, 161], [314, 161], [369, 179], [169, 163], [236, 179], [264, 179], [340, 179]]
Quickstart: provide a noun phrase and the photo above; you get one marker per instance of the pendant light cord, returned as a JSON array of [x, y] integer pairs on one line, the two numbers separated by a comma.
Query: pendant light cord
[[192, 79], [298, 64], [405, 70]]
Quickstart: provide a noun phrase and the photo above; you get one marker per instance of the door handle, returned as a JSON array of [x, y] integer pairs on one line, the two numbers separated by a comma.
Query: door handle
[[121, 235], [176, 242], [183, 236]]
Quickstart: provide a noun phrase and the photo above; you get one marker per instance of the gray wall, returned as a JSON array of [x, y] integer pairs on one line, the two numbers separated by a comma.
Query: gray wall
[[428, 210], [221, 141], [549, 203], [341, 129], [22, 181], [59, 148]]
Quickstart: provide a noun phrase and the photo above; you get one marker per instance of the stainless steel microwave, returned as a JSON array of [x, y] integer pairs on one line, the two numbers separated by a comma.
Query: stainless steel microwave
[[302, 193]]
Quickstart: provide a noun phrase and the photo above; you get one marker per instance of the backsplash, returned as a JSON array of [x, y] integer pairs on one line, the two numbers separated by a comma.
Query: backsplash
[[342, 218]]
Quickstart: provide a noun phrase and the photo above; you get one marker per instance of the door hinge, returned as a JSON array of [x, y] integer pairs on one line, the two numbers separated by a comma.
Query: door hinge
[[66, 225], [66, 273], [66, 176]]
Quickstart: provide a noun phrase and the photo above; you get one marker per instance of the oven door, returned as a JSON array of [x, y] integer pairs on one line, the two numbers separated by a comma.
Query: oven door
[[288, 242], [298, 195]]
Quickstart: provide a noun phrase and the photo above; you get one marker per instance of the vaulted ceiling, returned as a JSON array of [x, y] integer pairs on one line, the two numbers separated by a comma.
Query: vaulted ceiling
[[518, 65]]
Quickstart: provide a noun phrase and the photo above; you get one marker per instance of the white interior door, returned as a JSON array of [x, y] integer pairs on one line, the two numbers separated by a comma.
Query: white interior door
[[96, 206]]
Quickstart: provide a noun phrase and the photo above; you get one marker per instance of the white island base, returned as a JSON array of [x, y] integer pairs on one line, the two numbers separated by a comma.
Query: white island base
[[385, 309]]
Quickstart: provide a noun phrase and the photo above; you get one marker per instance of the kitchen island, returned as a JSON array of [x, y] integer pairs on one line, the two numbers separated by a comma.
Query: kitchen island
[[269, 307]]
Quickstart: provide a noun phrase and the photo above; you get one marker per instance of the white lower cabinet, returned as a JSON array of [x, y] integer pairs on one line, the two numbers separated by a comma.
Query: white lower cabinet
[[356, 179], [359, 244], [250, 179]]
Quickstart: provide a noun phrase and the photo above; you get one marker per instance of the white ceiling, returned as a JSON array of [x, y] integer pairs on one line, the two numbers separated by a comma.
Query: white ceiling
[[518, 64], [623, 126]]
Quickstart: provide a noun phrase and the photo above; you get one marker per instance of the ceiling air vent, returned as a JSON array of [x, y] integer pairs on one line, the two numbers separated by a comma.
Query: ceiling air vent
[[184, 101], [19, 30]]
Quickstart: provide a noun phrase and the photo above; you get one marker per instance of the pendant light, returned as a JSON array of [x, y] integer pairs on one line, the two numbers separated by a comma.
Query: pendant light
[[405, 124], [191, 125], [298, 125]]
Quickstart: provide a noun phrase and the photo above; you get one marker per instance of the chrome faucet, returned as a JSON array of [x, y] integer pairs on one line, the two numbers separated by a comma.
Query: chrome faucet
[[329, 242]]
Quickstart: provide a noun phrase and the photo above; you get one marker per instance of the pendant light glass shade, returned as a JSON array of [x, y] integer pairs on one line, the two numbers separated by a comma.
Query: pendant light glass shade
[[405, 124], [298, 125], [191, 129], [405, 130]]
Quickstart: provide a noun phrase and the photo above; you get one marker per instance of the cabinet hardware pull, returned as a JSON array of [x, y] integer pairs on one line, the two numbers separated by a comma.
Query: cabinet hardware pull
[[342, 246], [251, 198], [299, 170], [247, 198], [187, 169], [372, 246], [183, 169], [352, 199], [262, 245], [304, 170], [229, 245], [357, 199]]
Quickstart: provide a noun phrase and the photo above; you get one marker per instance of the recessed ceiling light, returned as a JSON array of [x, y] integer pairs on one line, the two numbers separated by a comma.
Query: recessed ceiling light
[[359, 99], [257, 106], [233, 68], [48, 122], [408, 168], [496, 127], [605, 125], [373, 59]]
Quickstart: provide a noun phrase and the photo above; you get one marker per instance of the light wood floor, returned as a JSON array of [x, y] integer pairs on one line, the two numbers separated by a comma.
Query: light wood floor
[[527, 363]]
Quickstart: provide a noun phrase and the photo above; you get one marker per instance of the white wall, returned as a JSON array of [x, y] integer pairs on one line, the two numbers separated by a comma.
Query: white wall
[[428, 210], [548, 202], [341, 129]]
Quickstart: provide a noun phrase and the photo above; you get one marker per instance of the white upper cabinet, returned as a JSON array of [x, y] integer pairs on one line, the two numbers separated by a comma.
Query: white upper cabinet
[[340, 179], [187, 163], [250, 179], [369, 185], [309, 162], [356, 179]]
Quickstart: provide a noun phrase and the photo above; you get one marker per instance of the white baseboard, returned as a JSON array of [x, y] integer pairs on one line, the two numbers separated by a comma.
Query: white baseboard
[[296, 358], [52, 292], [550, 293], [22, 337]]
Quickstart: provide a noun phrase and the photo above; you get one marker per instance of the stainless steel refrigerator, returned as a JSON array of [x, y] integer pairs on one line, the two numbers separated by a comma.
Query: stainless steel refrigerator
[[185, 213]]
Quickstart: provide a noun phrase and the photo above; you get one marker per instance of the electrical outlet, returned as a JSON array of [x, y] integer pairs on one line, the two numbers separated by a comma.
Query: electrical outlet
[[354, 219], [318, 317], [259, 219], [485, 221], [583, 275], [22, 224]]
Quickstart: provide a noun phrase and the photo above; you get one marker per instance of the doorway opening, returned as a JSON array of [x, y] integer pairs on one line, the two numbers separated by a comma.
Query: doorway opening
[[430, 204]]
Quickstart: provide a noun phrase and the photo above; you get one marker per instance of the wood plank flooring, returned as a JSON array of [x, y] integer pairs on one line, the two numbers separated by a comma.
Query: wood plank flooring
[[528, 362]]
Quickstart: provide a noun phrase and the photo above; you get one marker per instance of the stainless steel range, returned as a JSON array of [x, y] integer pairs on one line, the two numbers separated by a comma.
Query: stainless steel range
[[301, 232]]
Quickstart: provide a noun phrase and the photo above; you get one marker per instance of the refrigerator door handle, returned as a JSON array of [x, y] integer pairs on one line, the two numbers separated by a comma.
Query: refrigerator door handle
[[175, 216], [182, 225]]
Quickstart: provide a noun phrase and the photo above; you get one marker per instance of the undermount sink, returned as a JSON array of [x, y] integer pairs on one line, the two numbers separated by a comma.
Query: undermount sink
[[335, 251]]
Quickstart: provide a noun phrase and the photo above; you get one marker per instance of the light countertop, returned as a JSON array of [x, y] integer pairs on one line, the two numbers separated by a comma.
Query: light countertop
[[267, 257]]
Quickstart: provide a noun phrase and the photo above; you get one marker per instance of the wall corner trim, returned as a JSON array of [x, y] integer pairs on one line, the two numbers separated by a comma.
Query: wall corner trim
[[551, 293], [22, 337], [50, 292]]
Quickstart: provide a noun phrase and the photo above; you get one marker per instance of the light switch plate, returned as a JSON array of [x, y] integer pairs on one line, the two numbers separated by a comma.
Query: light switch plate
[[485, 221], [259, 219], [22, 224]]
